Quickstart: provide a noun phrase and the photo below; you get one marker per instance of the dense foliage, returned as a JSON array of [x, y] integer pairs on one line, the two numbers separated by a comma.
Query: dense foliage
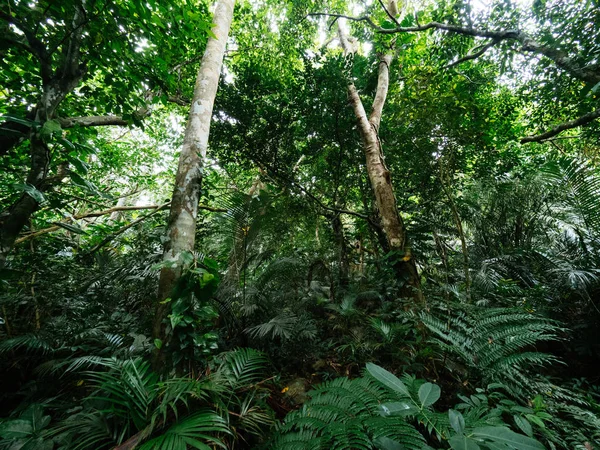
[[303, 318]]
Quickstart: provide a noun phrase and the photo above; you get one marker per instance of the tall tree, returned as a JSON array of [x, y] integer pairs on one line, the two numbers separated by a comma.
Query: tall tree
[[51, 51], [181, 230], [379, 175]]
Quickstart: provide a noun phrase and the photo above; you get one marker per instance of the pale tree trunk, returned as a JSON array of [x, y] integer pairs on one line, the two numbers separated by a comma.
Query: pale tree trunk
[[181, 230], [379, 175]]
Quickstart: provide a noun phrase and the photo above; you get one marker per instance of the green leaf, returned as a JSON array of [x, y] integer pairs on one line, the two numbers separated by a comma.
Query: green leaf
[[79, 164], [457, 421], [387, 379], [429, 393], [70, 227], [535, 419], [15, 429], [385, 443], [83, 183], [524, 425], [397, 409], [158, 343], [505, 436], [19, 120], [462, 442], [50, 128], [31, 191]]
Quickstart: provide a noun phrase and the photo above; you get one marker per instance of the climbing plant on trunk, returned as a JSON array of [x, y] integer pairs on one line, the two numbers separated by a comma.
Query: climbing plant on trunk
[[181, 229]]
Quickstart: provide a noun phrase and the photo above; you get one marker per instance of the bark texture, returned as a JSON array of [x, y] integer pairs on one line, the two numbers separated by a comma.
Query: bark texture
[[181, 230], [379, 175]]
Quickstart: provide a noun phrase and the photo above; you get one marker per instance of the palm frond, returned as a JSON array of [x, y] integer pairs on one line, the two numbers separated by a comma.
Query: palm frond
[[193, 431]]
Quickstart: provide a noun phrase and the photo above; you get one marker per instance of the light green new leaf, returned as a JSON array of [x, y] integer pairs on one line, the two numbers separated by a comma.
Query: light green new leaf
[[50, 128], [387, 378]]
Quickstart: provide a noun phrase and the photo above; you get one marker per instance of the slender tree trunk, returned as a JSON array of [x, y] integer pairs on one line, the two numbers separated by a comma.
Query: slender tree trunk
[[461, 235], [379, 175], [181, 230], [343, 261]]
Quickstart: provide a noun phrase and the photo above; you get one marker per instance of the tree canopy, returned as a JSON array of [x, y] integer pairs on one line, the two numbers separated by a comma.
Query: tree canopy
[[299, 224]]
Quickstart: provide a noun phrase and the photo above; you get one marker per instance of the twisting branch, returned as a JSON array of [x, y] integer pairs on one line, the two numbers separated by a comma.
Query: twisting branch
[[474, 55], [587, 73], [580, 121]]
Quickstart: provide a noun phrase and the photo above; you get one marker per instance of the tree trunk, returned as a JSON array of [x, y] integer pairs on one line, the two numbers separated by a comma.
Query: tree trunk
[[379, 175], [343, 259], [461, 233], [181, 230], [56, 87]]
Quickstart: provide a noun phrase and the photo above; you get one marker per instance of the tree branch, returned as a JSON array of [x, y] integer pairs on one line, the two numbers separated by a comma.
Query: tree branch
[[122, 230], [342, 16], [475, 55], [389, 14], [589, 74], [330, 208], [36, 47], [580, 121], [105, 212], [92, 121]]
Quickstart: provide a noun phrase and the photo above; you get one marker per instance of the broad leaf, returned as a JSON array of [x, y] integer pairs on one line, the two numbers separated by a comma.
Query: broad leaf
[[508, 437], [524, 425], [30, 190], [429, 393], [457, 421], [50, 128], [70, 227], [387, 379], [15, 429], [462, 442], [397, 409]]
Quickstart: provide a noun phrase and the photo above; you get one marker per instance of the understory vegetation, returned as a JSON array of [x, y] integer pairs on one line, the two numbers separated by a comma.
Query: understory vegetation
[[397, 238]]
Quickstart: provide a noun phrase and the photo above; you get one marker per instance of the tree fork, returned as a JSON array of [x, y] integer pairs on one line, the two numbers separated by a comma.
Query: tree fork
[[379, 175]]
